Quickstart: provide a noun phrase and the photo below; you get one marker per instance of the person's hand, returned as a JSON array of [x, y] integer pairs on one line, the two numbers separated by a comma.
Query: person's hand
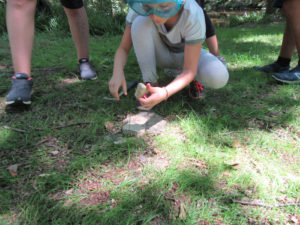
[[115, 83], [157, 95]]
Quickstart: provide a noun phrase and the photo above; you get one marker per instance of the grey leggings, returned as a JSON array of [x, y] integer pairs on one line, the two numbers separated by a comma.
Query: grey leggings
[[151, 52]]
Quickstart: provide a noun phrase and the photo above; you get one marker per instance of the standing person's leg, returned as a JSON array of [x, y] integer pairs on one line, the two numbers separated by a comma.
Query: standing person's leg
[[292, 13], [282, 64], [20, 27], [78, 22]]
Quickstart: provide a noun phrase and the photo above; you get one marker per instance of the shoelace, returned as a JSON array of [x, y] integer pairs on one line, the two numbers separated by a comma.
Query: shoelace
[[198, 85]]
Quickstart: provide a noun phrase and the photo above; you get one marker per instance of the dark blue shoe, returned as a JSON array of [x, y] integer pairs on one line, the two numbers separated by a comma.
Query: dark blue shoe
[[291, 77], [272, 68], [20, 91]]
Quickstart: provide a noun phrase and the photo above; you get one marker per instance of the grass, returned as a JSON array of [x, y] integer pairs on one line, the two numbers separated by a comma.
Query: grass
[[240, 144]]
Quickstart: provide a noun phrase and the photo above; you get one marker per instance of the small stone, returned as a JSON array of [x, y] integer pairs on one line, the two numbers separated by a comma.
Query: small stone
[[54, 153], [140, 90]]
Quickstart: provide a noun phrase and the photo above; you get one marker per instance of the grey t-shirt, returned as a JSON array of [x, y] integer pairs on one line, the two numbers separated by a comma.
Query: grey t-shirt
[[189, 29]]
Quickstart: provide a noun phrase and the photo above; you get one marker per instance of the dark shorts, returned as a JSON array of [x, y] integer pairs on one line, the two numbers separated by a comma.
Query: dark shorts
[[210, 28], [278, 3], [72, 4]]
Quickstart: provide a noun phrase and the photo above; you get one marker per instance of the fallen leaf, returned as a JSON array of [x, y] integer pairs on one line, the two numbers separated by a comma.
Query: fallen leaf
[[112, 128], [236, 144], [34, 185], [2, 67], [227, 174], [182, 213], [218, 220], [13, 170], [202, 222]]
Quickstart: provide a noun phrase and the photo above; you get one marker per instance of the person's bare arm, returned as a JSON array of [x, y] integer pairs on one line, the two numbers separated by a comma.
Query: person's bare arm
[[191, 59], [118, 78]]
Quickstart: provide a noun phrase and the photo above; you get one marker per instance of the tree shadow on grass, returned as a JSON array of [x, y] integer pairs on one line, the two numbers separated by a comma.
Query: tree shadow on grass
[[159, 201]]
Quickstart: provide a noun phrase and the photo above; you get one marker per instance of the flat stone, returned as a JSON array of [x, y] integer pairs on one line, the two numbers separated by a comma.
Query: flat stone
[[144, 122], [156, 128]]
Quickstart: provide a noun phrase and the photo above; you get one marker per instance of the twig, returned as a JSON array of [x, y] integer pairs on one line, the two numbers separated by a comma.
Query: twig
[[14, 129], [72, 124], [41, 142], [264, 205], [62, 126]]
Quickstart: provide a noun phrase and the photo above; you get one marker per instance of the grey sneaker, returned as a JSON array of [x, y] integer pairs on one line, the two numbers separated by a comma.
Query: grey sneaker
[[272, 68], [87, 71], [20, 91]]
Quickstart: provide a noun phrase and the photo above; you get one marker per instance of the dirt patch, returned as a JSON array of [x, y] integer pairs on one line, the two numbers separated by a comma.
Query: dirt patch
[[99, 198]]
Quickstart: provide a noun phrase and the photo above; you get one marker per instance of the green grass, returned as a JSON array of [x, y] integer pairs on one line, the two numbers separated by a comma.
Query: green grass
[[241, 143]]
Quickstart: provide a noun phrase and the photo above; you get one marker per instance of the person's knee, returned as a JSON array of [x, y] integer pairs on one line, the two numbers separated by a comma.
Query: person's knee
[[219, 80], [213, 76], [21, 4], [141, 26]]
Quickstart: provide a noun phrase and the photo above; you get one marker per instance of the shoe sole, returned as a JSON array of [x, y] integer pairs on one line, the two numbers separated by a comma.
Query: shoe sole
[[18, 103], [94, 78], [286, 81]]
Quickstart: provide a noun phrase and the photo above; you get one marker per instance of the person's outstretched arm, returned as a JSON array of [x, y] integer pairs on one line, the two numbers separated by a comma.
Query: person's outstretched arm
[[118, 79]]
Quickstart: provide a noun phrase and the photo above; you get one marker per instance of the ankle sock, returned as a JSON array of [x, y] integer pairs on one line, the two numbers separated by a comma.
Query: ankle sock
[[283, 61], [83, 60]]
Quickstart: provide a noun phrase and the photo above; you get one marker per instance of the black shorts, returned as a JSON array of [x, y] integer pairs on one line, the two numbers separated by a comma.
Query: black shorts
[[210, 28], [72, 4], [278, 3]]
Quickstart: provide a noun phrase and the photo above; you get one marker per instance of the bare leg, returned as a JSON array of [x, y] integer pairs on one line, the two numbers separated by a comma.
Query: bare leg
[[79, 27], [20, 27], [212, 44], [292, 13], [288, 43]]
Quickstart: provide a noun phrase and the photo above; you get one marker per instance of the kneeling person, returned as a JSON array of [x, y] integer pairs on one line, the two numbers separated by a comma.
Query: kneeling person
[[168, 34]]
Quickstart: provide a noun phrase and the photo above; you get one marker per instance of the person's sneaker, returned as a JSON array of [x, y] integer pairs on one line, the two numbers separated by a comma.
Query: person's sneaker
[[223, 60], [87, 71], [196, 90], [20, 92], [272, 68], [291, 77]]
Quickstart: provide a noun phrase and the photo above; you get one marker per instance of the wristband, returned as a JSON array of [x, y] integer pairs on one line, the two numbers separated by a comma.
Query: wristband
[[167, 93]]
